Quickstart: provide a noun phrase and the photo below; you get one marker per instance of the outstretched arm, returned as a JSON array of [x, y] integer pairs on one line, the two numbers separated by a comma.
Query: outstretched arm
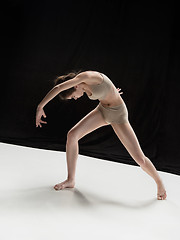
[[49, 96], [55, 91], [61, 87]]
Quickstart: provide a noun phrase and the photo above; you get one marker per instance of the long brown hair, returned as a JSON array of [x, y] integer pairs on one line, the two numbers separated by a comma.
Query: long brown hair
[[60, 79]]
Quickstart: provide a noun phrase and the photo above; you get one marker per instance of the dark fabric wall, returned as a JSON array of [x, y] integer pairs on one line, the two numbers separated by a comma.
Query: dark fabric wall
[[135, 43]]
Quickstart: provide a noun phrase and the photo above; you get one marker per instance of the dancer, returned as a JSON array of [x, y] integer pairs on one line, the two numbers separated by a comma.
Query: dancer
[[111, 110]]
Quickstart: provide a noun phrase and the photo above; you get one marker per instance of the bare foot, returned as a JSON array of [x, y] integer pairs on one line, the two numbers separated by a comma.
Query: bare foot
[[66, 184], [161, 195]]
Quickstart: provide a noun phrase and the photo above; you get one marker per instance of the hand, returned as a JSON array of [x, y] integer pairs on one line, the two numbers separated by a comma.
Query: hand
[[119, 89], [39, 113]]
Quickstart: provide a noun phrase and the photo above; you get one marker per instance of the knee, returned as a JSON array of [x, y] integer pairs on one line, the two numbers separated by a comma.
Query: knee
[[72, 136], [141, 160]]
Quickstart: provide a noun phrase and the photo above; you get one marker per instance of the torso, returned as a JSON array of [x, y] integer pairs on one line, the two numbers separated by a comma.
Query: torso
[[113, 97]]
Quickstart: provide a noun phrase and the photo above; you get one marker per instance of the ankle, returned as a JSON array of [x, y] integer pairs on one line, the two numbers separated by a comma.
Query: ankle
[[159, 182], [71, 179]]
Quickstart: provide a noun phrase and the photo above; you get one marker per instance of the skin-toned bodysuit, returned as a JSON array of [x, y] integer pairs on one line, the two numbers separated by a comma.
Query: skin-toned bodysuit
[[116, 114]]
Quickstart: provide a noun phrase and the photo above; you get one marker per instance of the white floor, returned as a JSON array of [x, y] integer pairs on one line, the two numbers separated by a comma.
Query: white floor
[[110, 200]]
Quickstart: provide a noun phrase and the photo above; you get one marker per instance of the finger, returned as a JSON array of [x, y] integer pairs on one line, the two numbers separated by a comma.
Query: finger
[[44, 115], [43, 121]]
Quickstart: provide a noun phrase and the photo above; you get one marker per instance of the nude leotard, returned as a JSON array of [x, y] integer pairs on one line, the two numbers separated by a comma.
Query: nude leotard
[[116, 114], [99, 91]]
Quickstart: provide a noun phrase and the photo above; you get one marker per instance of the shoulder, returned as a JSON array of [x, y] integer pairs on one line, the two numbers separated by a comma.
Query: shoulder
[[90, 77]]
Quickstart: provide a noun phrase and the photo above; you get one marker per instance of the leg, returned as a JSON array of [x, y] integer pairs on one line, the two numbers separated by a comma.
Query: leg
[[89, 123], [128, 138]]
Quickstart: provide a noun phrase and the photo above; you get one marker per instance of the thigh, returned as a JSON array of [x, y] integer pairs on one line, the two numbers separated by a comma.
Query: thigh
[[128, 138], [87, 124]]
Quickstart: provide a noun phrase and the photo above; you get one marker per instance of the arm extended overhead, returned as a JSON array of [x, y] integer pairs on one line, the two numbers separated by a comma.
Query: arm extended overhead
[[61, 87]]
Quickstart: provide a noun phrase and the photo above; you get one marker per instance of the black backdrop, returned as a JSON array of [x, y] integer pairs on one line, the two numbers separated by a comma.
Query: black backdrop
[[135, 43]]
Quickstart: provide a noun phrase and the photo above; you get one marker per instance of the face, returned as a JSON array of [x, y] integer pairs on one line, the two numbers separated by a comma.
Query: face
[[77, 94]]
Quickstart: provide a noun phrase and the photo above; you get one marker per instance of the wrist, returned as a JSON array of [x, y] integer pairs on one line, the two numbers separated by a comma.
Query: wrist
[[39, 106]]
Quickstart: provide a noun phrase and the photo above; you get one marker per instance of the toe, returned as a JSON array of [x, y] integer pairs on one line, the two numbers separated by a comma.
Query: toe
[[159, 196], [56, 187], [162, 196]]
